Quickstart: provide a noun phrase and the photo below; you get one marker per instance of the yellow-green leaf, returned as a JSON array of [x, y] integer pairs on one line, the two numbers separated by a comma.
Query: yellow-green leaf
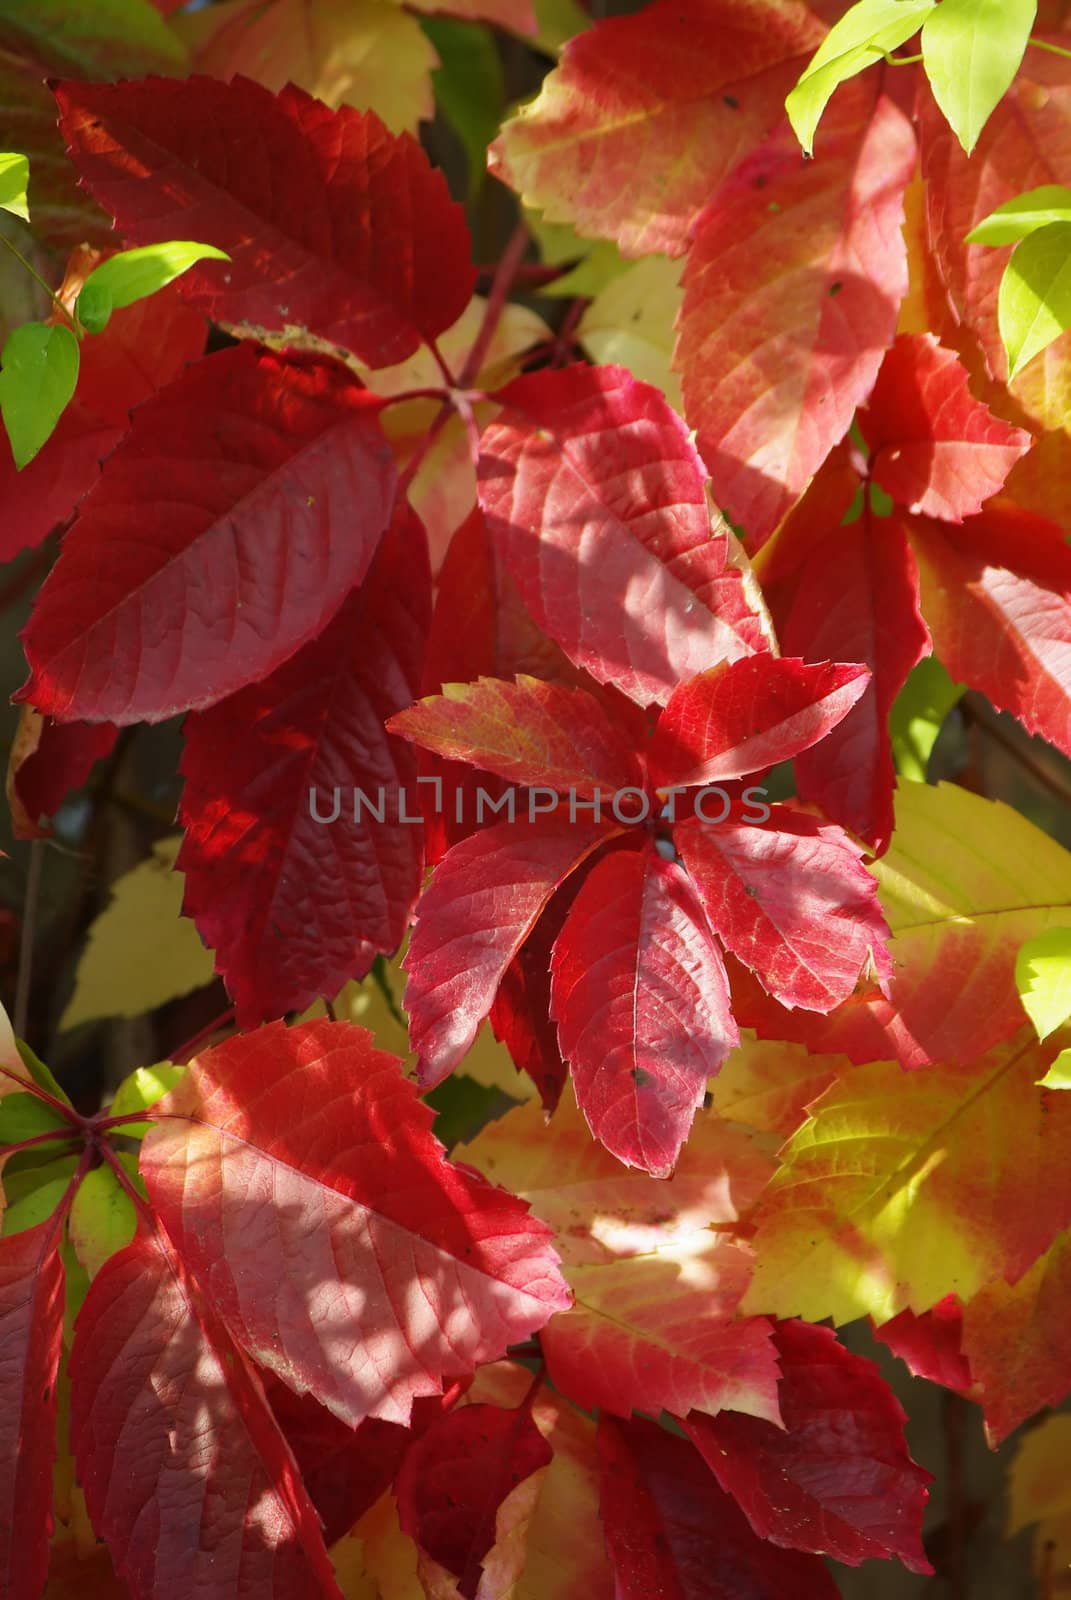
[[40, 371], [102, 1218], [862, 36], [1034, 304], [141, 952], [1043, 974], [630, 323], [1026, 213], [14, 179], [902, 1188], [972, 50], [134, 275]]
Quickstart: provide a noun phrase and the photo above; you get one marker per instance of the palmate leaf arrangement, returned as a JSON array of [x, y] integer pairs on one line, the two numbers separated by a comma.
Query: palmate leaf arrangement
[[795, 1066]]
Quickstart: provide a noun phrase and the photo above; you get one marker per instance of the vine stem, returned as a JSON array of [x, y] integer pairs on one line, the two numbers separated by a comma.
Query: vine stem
[[26, 938], [75, 1118], [38, 1138], [496, 304], [72, 321], [1053, 49], [186, 1050]]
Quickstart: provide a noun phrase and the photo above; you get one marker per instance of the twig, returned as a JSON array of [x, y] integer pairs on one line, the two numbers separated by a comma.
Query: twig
[[955, 1415], [977, 711], [496, 304], [26, 938]]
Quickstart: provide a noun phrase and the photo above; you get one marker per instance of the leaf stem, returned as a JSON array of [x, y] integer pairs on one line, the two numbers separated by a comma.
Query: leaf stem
[[186, 1050], [71, 320], [29, 1087], [496, 304], [29, 923], [900, 61], [1053, 49], [38, 1138]]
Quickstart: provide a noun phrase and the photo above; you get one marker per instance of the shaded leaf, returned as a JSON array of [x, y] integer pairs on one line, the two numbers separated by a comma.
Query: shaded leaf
[[297, 885], [252, 558], [141, 952], [376, 277], [837, 1478], [670, 1530]]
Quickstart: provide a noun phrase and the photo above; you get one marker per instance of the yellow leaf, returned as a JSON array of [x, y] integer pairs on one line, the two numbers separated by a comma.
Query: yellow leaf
[[141, 952], [1041, 1491], [390, 1556], [630, 323], [549, 1543], [1043, 973], [768, 1084], [904, 1187], [364, 53]]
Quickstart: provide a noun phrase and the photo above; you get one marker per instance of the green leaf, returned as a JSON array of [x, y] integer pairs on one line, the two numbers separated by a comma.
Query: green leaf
[[861, 37], [918, 714], [141, 951], [94, 38], [557, 21], [24, 1116], [14, 180], [102, 1218], [971, 50], [1025, 214], [1059, 1074], [597, 261], [40, 1074], [469, 86], [134, 275], [141, 1089], [40, 370], [1043, 977], [34, 1193], [1034, 305]]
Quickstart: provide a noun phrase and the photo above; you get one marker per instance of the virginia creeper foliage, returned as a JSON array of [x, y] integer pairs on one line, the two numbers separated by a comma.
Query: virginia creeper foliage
[[552, 655]]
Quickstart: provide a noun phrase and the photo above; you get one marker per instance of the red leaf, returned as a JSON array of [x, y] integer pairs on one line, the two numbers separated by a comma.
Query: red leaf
[[527, 732], [791, 293], [646, 113], [143, 348], [997, 595], [745, 716], [479, 628], [483, 900], [224, 533], [48, 759], [185, 1472], [31, 1331], [520, 1016], [791, 900], [934, 447], [857, 592], [296, 904], [344, 1470], [672, 1533], [332, 223], [296, 1172], [837, 1479], [642, 1002], [455, 1477], [1017, 1342], [931, 1344], [597, 500]]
